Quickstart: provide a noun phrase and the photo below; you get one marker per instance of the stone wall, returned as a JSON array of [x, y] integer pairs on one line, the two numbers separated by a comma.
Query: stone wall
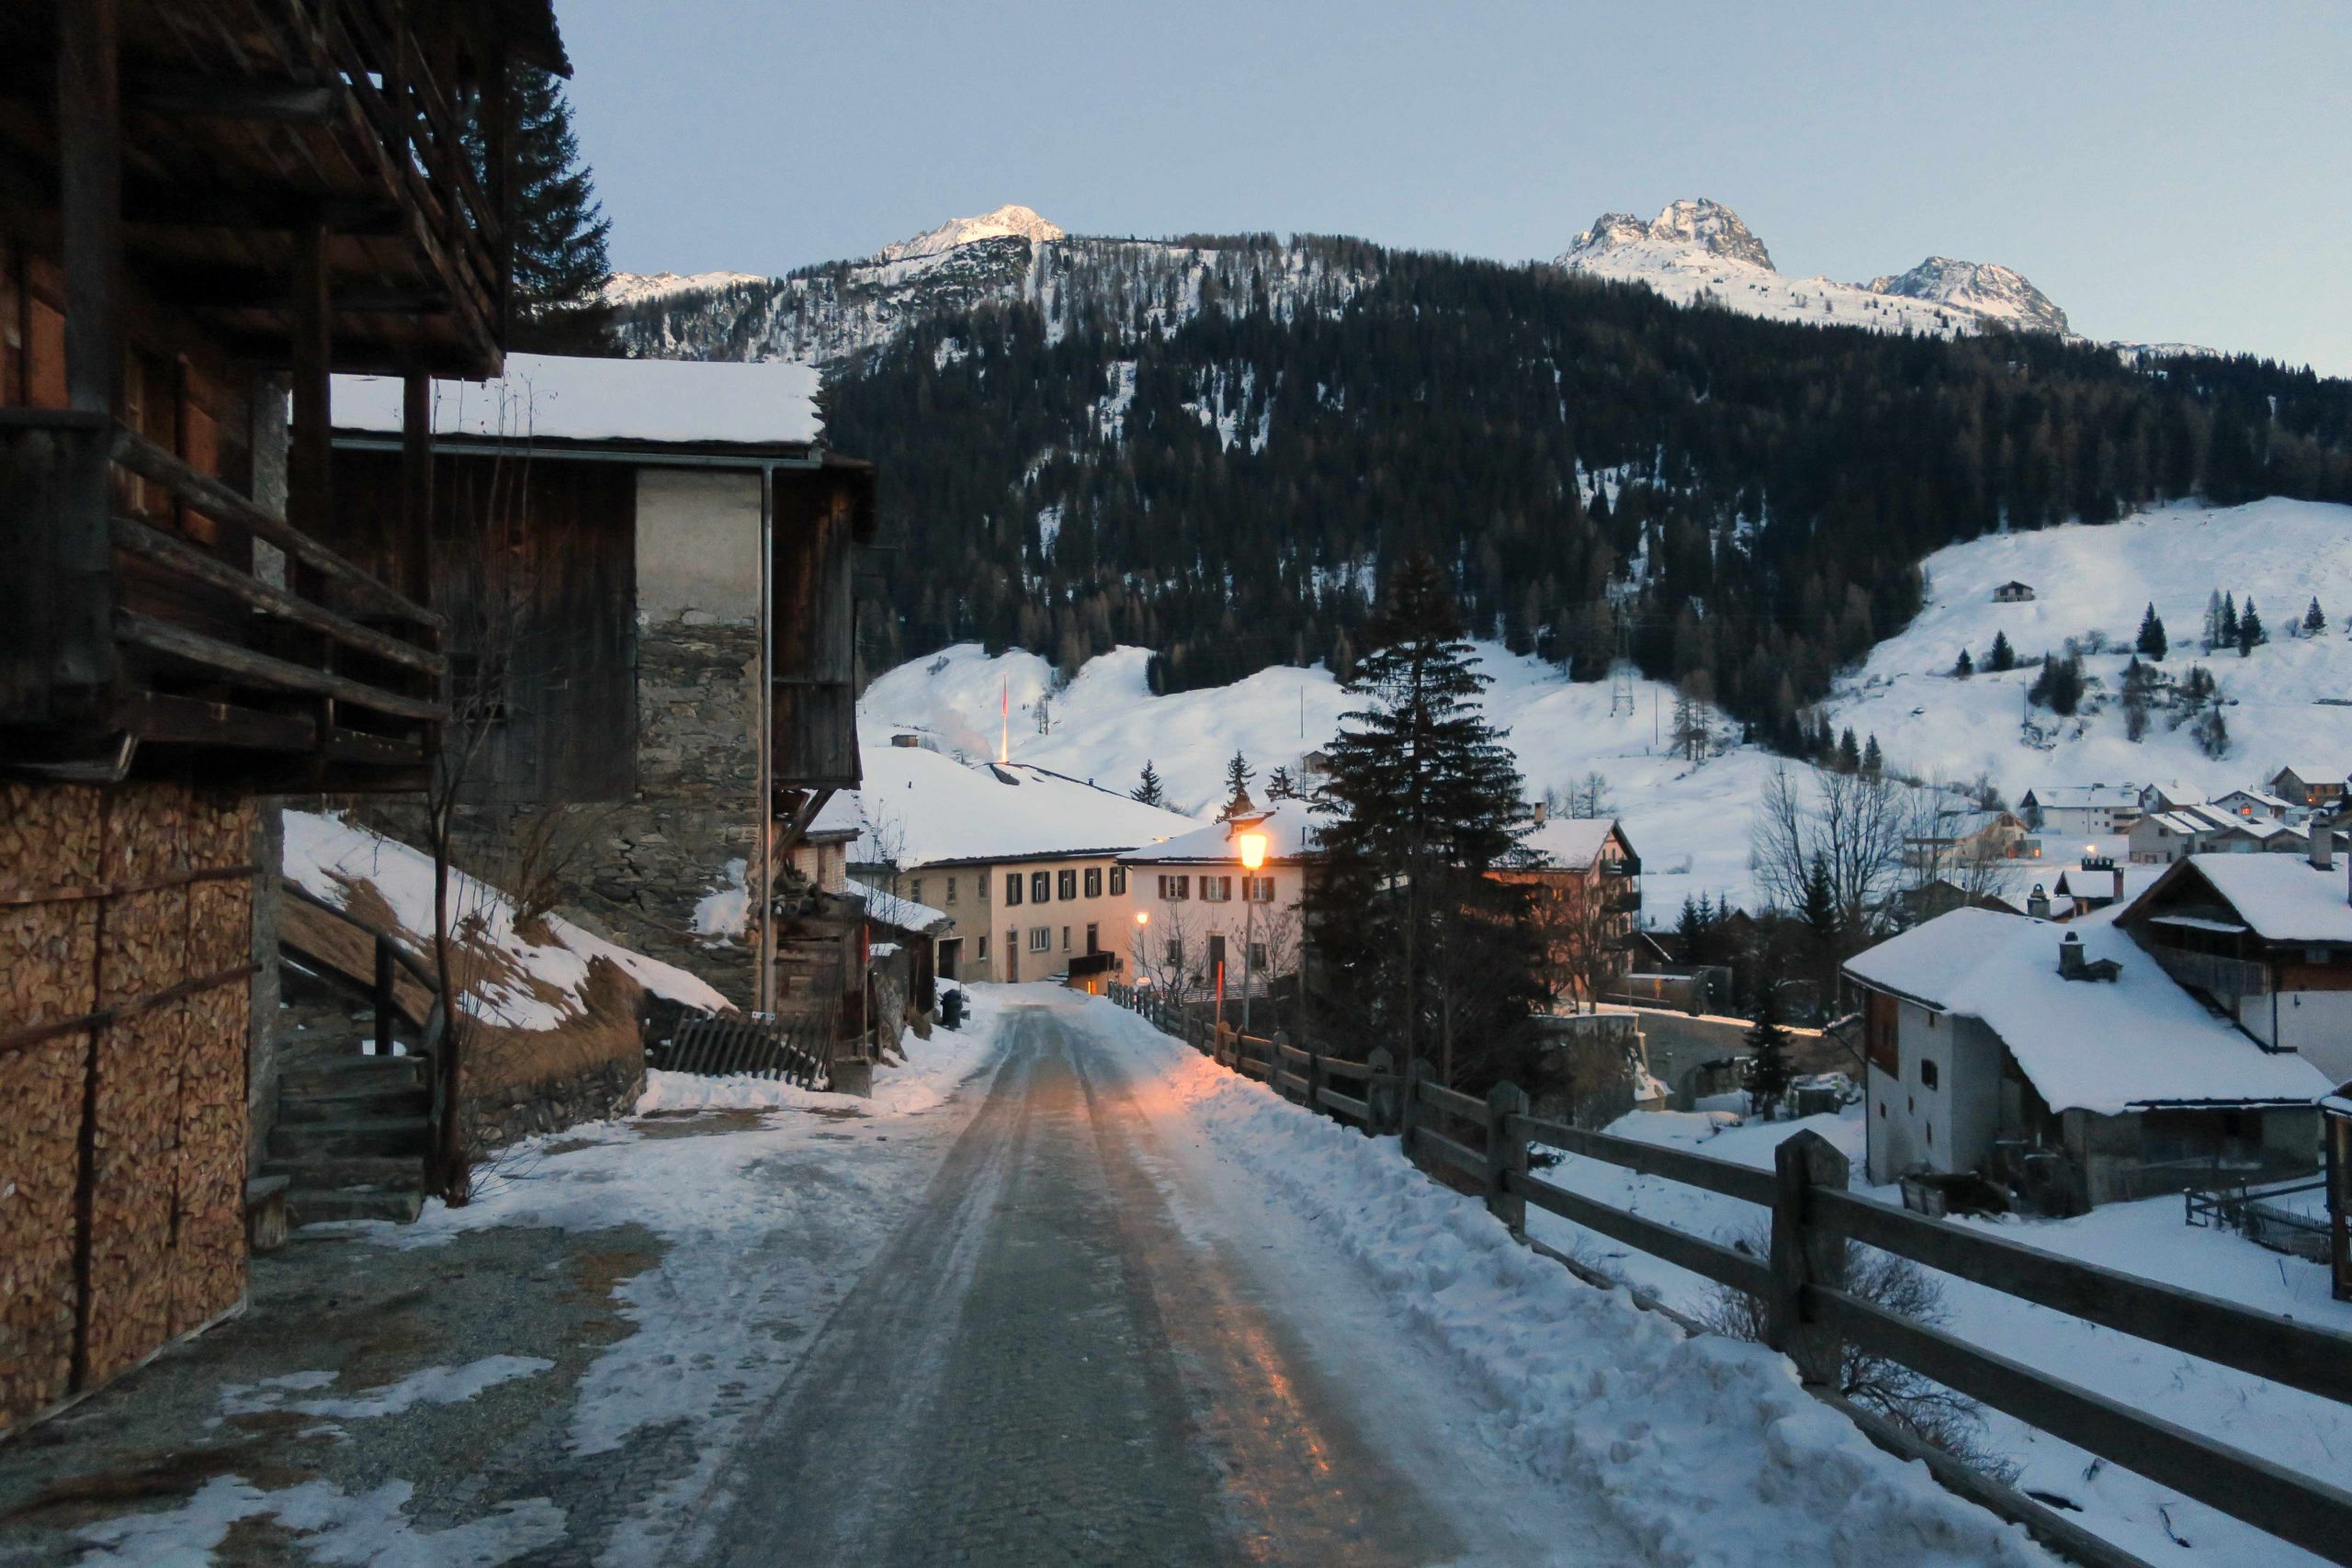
[[1680, 1043]]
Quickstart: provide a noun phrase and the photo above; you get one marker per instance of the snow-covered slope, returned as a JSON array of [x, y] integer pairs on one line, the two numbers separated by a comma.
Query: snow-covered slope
[[631, 288], [2288, 698], [1688, 821], [1700, 249]]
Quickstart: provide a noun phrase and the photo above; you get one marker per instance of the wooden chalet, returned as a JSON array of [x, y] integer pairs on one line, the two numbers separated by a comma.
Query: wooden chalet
[[206, 208]]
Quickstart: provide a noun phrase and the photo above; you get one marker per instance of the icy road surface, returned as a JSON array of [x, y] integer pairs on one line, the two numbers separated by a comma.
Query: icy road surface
[[1093, 1344]]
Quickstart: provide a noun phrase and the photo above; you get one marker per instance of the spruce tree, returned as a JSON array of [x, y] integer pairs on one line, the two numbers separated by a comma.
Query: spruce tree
[[1873, 760], [1849, 753], [2152, 633], [560, 233], [1238, 774], [1282, 784], [2003, 657], [2213, 620], [1765, 1074], [1149, 788], [1965, 667], [2250, 632], [1415, 946], [2229, 621], [2314, 621]]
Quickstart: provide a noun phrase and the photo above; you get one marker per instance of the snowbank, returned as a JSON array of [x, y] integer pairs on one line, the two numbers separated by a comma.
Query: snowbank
[[529, 981], [1703, 1447]]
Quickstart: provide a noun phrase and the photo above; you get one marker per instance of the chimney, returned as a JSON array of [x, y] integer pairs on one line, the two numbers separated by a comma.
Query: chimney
[[1542, 812], [2070, 956], [2038, 905], [2322, 846]]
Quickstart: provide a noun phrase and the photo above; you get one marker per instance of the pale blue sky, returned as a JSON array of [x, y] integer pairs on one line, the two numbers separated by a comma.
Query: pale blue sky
[[2163, 170]]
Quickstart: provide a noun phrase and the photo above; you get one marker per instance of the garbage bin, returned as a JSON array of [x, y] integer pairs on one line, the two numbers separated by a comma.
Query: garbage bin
[[951, 1010]]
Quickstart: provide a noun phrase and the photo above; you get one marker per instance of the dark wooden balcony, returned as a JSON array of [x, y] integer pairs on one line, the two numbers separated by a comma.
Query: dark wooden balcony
[[150, 611]]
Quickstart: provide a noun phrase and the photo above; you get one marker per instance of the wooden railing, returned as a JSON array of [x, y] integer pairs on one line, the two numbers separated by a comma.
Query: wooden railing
[[1483, 1146], [323, 658]]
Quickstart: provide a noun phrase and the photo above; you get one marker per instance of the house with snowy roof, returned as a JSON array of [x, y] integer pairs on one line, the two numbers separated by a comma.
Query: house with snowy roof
[[1588, 902], [2311, 784], [2080, 810], [2265, 940], [1023, 860], [2013, 593], [1196, 903], [664, 630], [2252, 803], [2163, 837], [2068, 1064]]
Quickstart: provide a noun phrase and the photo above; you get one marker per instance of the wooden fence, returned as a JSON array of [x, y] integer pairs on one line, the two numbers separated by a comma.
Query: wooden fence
[[1482, 1147]]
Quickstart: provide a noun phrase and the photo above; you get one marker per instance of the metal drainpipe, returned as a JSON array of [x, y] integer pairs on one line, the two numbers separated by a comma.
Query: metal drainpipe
[[764, 983]]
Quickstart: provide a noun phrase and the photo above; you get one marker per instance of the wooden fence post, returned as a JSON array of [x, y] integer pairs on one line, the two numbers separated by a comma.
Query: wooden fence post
[[1804, 1254], [1314, 1076], [1505, 1155], [1410, 1102], [1382, 1114]]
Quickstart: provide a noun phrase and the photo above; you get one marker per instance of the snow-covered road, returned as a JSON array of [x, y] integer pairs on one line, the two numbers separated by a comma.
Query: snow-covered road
[[1093, 1342]]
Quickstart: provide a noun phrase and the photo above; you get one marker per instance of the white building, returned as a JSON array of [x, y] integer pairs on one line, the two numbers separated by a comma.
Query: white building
[[2067, 1063], [1024, 860], [2163, 837], [1200, 904], [2081, 810]]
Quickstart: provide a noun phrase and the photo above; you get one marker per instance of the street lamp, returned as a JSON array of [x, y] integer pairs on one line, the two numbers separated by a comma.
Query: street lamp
[[1143, 919], [1252, 845]]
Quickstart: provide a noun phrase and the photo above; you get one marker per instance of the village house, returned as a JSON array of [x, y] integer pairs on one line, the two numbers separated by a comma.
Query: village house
[[1964, 834], [1588, 902], [2067, 1065], [2252, 803], [2265, 938], [199, 217], [2013, 593], [2171, 796], [675, 539], [2309, 786], [902, 958], [1195, 903], [1024, 860], [2077, 811], [2093, 883], [2164, 837]]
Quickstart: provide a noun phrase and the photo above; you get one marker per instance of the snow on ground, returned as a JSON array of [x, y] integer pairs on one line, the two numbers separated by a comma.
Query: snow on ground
[[1704, 1448], [372, 1527], [2146, 1238], [1107, 723], [534, 980], [2286, 697]]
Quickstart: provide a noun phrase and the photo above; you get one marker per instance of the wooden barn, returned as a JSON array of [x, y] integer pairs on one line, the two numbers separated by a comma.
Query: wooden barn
[[204, 204], [630, 551]]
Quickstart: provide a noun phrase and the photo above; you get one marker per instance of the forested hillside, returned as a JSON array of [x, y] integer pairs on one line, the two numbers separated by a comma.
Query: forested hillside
[[1224, 482]]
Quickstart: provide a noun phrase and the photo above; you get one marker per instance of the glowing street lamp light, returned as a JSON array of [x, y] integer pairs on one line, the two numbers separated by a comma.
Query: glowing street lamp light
[[1252, 845], [1143, 919]]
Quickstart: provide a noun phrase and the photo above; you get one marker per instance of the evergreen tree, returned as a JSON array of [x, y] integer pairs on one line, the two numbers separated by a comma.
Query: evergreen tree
[[2152, 633], [1849, 753], [1765, 1074], [1414, 944], [1965, 667], [2314, 621], [1149, 788], [1873, 760], [2229, 628], [2004, 656], [1238, 774], [560, 233], [2059, 686], [2250, 632], [1282, 784], [2213, 620]]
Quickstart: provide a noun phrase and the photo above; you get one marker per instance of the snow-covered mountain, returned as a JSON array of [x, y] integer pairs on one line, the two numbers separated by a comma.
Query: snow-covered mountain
[[632, 288], [1015, 221], [1699, 250]]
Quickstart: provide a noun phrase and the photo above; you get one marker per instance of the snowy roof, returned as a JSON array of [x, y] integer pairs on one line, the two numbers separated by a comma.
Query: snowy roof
[[921, 809], [887, 908], [2283, 897], [1571, 841], [838, 818], [2077, 882], [2314, 774], [555, 397], [523, 982], [2254, 797], [2077, 796], [2102, 1046], [1288, 828]]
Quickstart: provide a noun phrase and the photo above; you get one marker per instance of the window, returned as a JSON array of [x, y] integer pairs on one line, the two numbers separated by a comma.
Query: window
[[1257, 889], [1093, 938], [1175, 955], [914, 891], [1094, 882], [1175, 889], [1041, 939], [1013, 888], [984, 949], [981, 882], [1041, 886], [1065, 886], [1926, 1073], [1257, 957], [1216, 953], [1118, 880], [1216, 889], [951, 890], [1065, 938]]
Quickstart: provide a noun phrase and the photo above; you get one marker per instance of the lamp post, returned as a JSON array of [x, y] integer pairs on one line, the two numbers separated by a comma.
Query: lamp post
[[1253, 855], [1143, 919]]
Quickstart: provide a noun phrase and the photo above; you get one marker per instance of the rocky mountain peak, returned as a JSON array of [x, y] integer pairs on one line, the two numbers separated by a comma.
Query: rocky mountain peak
[[1005, 222], [1704, 225], [1988, 289]]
